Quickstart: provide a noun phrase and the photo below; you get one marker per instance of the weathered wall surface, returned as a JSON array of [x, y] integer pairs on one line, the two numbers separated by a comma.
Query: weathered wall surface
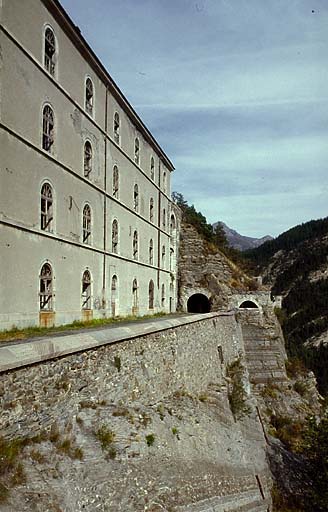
[[171, 385]]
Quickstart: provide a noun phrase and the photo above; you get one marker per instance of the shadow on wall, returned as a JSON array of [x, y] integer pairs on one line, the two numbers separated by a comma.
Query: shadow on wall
[[198, 303]]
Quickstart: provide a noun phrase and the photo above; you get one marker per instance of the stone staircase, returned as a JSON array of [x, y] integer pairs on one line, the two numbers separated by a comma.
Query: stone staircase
[[265, 355]]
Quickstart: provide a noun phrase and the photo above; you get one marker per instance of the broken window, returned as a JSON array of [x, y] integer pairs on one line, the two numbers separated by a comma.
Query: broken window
[[86, 290], [135, 245], [163, 256], [152, 168], [115, 236], [117, 128], [151, 252], [49, 51], [151, 295], [164, 218], [136, 198], [87, 224], [47, 128], [115, 182], [135, 293], [87, 159], [151, 210], [136, 151], [89, 96], [46, 207], [46, 292]]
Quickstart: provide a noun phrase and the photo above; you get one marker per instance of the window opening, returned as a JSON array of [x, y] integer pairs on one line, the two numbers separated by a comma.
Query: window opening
[[163, 256], [46, 292], [86, 290], [172, 225], [152, 168], [151, 210], [114, 294], [86, 224], [135, 245], [87, 159], [135, 293], [89, 96], [136, 198], [136, 151], [164, 181], [47, 128], [49, 51], [163, 295], [115, 181], [164, 218], [115, 236], [117, 128], [151, 295], [46, 207], [151, 252]]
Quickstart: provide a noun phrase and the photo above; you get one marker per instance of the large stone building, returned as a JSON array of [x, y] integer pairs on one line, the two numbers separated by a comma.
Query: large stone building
[[86, 219]]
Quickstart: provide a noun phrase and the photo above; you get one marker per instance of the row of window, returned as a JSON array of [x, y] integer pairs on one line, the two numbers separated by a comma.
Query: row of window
[[47, 220], [48, 125], [46, 293], [50, 62]]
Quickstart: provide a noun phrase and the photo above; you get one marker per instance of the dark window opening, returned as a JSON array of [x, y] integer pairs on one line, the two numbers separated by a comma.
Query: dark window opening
[[86, 290], [49, 51], [198, 303], [46, 292], [47, 128]]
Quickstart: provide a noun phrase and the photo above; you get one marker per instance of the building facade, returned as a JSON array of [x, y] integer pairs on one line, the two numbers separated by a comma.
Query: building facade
[[87, 225]]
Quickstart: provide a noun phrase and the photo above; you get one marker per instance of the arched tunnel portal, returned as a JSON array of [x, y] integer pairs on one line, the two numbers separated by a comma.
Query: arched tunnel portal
[[248, 304], [198, 303]]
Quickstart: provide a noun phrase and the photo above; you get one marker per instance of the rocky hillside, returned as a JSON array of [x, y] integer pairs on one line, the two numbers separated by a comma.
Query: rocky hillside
[[296, 266], [241, 242]]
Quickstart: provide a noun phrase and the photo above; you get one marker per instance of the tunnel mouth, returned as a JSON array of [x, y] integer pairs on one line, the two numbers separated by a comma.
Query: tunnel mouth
[[198, 303], [248, 304]]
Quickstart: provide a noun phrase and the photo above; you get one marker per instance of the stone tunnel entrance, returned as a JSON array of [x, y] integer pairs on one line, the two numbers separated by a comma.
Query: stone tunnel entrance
[[248, 304], [198, 303]]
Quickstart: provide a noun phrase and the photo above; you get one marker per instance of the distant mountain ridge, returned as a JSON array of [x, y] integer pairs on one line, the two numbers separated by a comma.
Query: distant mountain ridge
[[241, 242]]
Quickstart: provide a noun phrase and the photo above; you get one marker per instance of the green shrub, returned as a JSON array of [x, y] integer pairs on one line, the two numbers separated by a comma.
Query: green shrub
[[105, 436], [150, 439]]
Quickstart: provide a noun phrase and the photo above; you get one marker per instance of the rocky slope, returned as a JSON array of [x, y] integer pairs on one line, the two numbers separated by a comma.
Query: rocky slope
[[296, 266]]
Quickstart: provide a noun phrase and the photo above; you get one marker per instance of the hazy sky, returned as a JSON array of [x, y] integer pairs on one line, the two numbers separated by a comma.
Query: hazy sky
[[235, 92]]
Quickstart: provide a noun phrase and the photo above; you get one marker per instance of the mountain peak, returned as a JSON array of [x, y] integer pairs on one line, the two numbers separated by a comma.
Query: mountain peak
[[241, 242]]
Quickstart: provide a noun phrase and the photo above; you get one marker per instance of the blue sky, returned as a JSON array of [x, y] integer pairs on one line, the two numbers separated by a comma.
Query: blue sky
[[235, 92]]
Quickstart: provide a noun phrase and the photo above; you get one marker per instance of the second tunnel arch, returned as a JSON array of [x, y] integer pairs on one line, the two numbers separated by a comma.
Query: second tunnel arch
[[198, 303]]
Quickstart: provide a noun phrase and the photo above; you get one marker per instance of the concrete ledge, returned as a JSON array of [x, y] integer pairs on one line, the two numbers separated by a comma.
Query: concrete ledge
[[30, 351]]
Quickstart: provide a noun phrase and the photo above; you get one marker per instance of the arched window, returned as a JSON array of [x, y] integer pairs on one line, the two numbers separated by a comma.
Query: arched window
[[164, 181], [87, 224], [163, 256], [152, 168], [46, 288], [115, 236], [171, 258], [86, 290], [89, 96], [46, 207], [49, 51], [135, 245], [163, 295], [135, 293], [87, 159], [47, 128], [114, 290], [151, 295], [151, 252], [164, 218], [151, 210], [136, 198], [172, 224], [117, 128], [137, 151], [115, 182]]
